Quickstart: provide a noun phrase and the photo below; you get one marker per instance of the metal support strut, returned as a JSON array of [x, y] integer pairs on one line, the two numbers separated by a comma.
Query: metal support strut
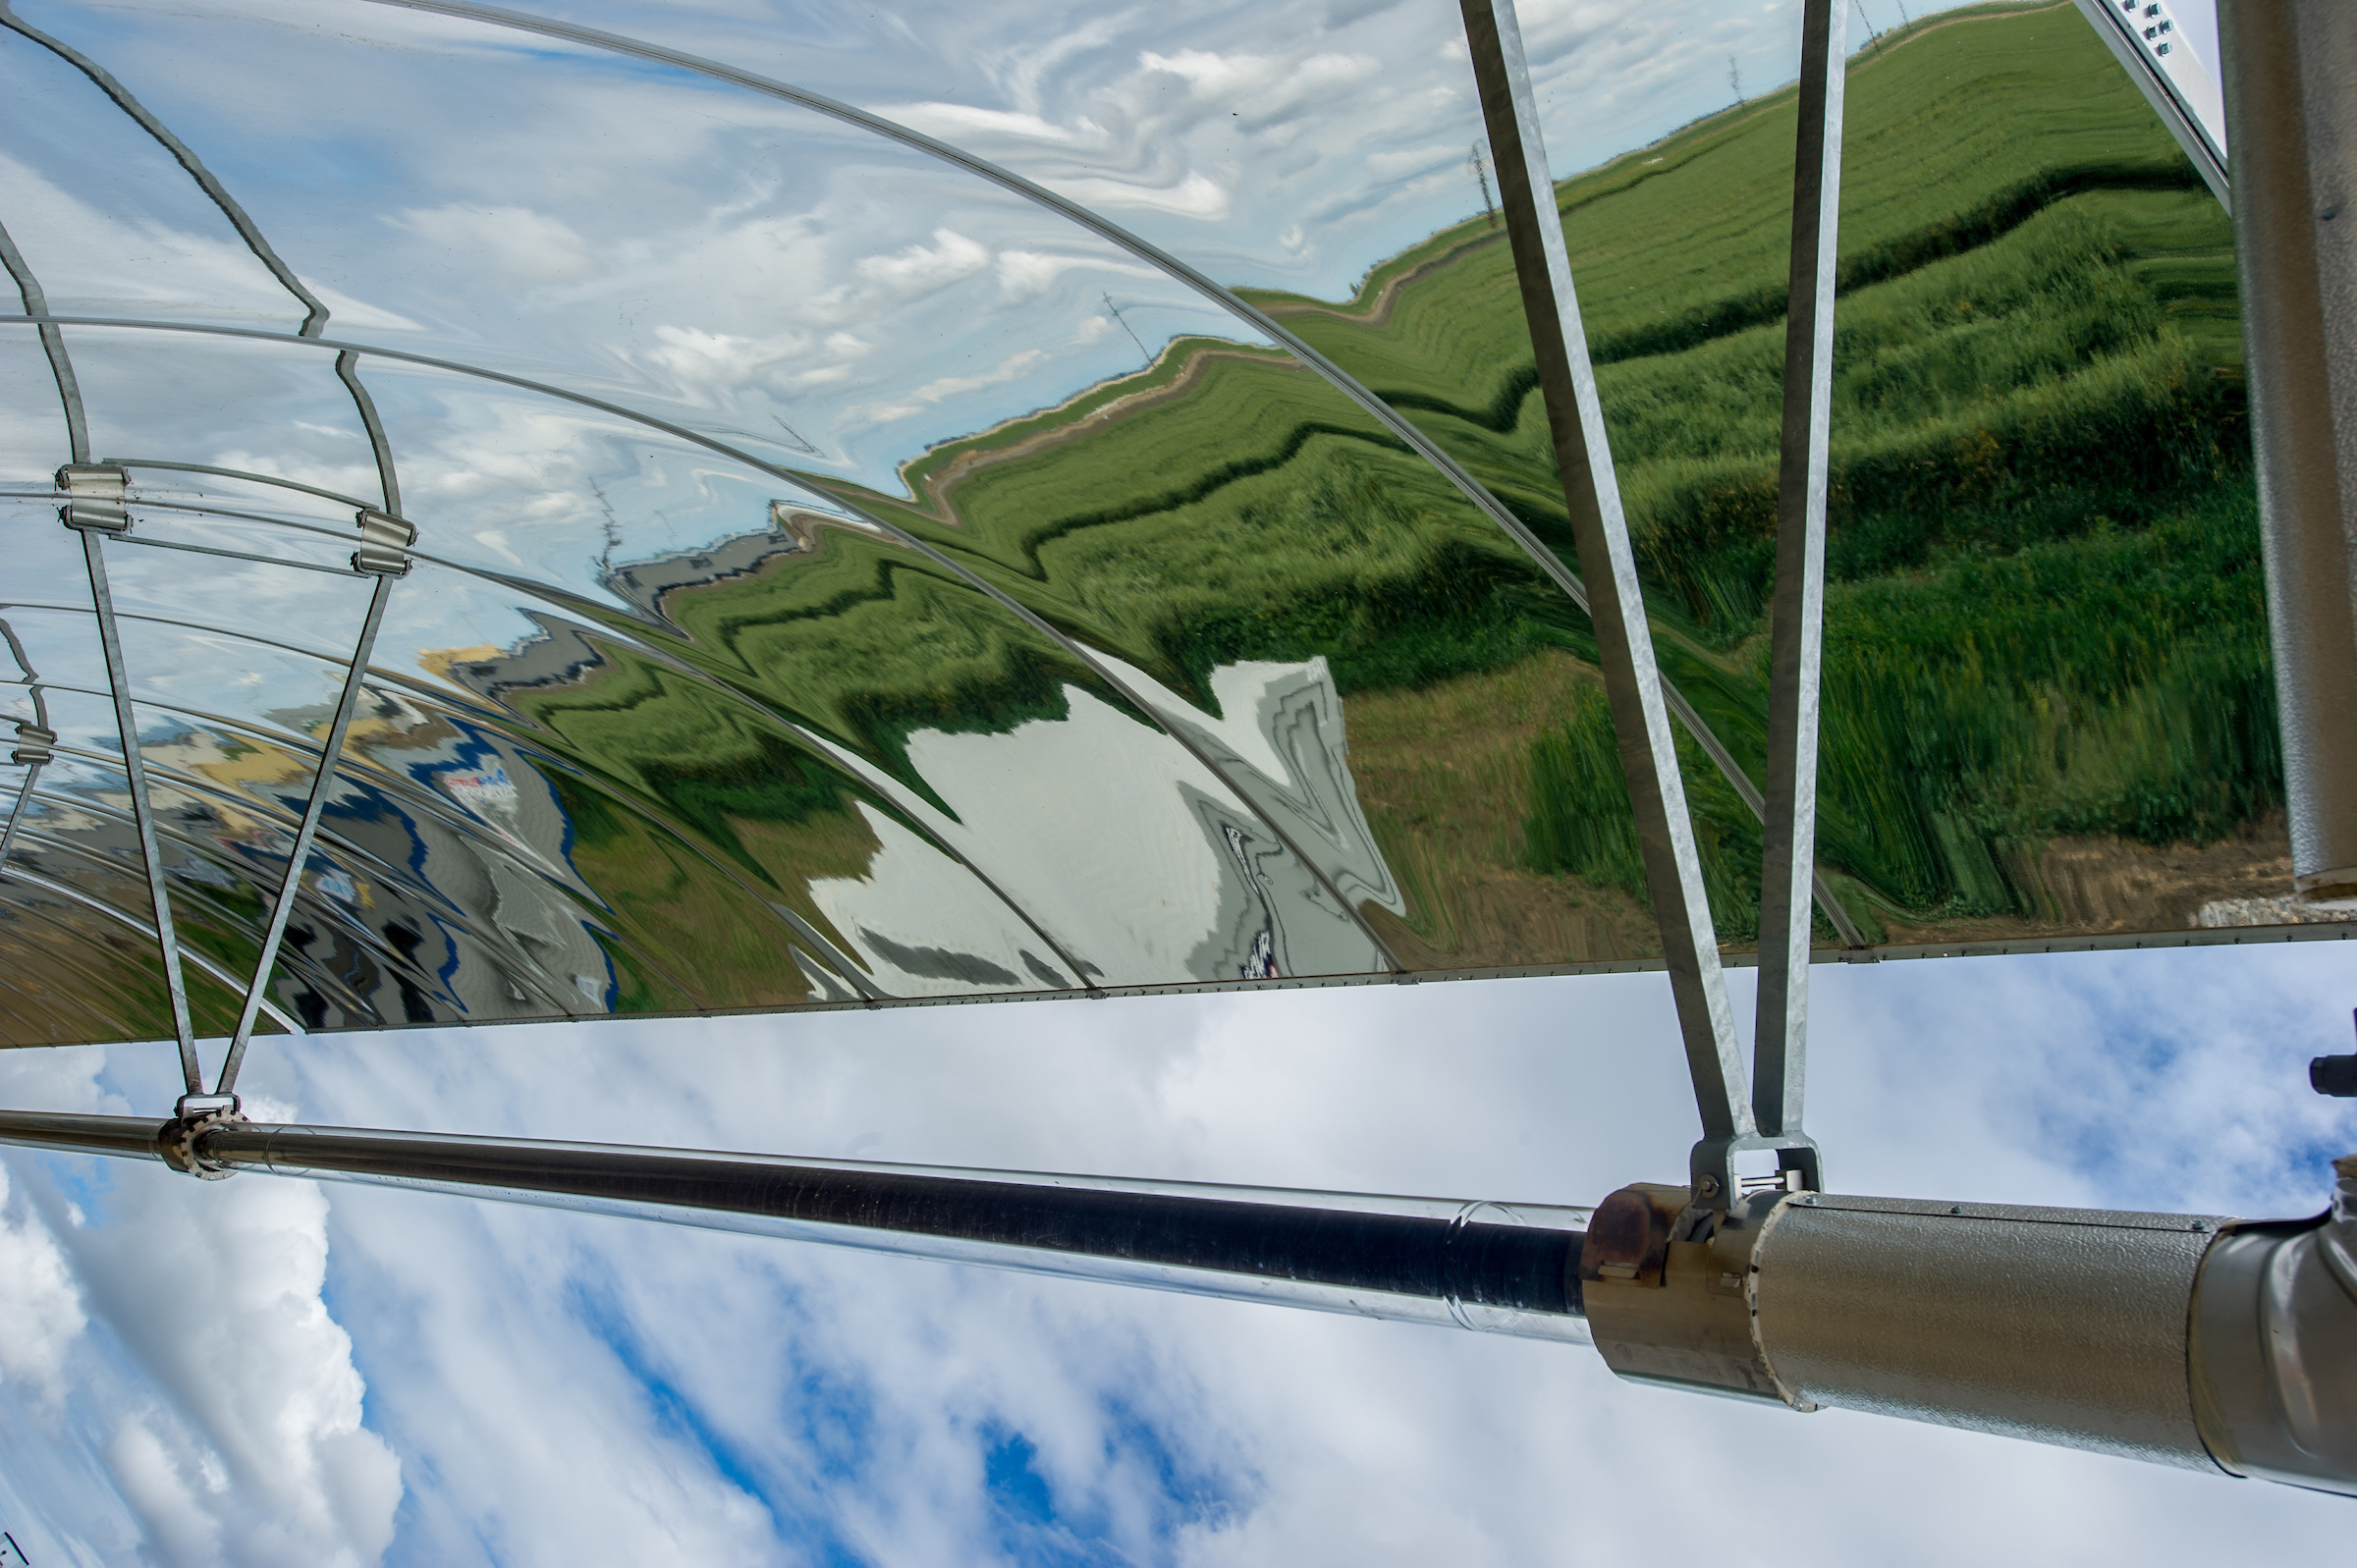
[[94, 507], [1779, 1066], [2291, 121], [1615, 602], [2180, 1340], [383, 553]]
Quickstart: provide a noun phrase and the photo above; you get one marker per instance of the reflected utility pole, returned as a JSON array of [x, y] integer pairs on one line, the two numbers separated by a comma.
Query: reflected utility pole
[[1132, 331], [1481, 175]]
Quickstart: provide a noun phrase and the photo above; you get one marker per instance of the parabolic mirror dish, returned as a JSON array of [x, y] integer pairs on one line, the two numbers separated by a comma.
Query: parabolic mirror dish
[[853, 568]]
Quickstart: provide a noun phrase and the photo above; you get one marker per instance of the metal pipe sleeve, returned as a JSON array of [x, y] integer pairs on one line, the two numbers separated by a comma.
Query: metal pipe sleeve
[[2059, 1326], [2189, 1340]]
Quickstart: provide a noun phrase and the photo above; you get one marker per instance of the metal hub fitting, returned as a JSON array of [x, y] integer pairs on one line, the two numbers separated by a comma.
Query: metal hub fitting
[[178, 1139], [1671, 1287]]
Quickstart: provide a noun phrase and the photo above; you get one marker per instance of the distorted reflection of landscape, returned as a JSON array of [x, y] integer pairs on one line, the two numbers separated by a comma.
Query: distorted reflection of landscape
[[1198, 673]]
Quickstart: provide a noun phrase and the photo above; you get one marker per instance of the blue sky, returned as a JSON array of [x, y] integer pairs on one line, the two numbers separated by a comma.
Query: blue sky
[[413, 1379]]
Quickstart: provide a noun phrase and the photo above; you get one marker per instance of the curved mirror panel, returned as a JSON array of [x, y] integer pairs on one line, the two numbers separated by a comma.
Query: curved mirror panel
[[840, 576]]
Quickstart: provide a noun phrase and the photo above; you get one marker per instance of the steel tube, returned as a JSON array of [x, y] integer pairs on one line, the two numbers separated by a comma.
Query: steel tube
[[1502, 1268], [2191, 1341], [2059, 1326], [2290, 75]]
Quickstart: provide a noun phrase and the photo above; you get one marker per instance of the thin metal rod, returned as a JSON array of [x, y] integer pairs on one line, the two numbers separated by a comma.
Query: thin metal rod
[[1780, 1067], [1508, 1268], [1608, 567], [239, 555], [347, 371], [142, 810], [323, 786], [270, 479], [32, 677], [53, 344], [40, 719]]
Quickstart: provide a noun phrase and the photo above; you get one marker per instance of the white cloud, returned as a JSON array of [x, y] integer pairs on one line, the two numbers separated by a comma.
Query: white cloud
[[1195, 195], [265, 1402], [920, 269], [40, 1310], [199, 1394], [525, 245]]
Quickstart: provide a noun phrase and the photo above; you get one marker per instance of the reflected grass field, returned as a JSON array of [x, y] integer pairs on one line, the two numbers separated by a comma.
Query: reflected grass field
[[2046, 619]]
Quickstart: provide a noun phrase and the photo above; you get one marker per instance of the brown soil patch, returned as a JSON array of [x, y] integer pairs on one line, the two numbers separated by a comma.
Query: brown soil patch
[[2087, 886], [1442, 775]]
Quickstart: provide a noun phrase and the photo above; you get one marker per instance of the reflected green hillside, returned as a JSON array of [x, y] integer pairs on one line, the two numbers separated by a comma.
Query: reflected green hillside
[[2048, 617]]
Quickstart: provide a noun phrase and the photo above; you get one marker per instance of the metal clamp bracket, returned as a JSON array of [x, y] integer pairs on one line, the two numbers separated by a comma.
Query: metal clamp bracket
[[385, 541], [34, 744], [93, 497], [1717, 1184]]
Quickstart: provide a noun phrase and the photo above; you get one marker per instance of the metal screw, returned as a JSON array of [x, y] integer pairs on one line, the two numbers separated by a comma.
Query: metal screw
[[1956, 1208], [1708, 1186]]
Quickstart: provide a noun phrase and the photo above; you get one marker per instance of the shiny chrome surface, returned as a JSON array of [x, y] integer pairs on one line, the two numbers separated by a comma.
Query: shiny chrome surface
[[919, 521], [1502, 1268]]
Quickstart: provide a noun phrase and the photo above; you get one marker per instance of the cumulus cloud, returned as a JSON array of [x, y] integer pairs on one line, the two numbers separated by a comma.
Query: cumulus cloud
[[40, 1308], [196, 1401], [270, 1451]]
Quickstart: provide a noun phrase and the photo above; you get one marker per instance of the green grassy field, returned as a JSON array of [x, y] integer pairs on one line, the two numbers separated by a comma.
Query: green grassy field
[[2046, 617], [2046, 621]]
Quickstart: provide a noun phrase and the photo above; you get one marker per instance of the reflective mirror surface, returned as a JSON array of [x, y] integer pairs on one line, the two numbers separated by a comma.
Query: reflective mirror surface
[[844, 573]]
